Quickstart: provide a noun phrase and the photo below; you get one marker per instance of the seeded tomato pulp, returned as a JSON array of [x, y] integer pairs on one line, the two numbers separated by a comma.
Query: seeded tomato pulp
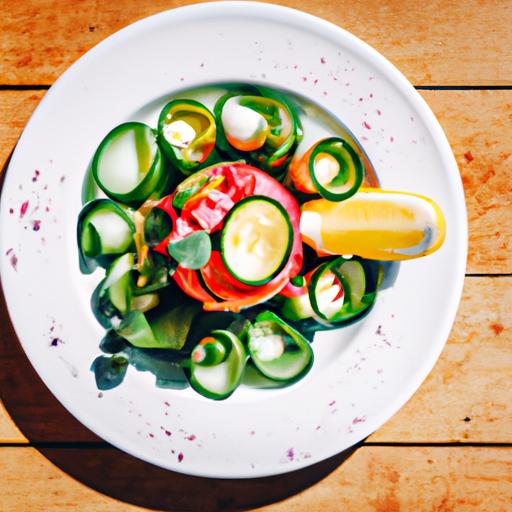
[[218, 189]]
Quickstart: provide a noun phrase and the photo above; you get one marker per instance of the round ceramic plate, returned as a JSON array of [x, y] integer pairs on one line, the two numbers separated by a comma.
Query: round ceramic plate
[[362, 374]]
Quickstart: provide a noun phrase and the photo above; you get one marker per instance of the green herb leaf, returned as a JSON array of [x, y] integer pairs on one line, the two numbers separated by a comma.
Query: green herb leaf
[[159, 328], [192, 252], [163, 364], [182, 196], [112, 343], [109, 372]]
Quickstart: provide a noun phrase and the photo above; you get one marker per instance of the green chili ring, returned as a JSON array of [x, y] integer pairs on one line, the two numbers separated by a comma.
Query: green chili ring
[[195, 115], [350, 173]]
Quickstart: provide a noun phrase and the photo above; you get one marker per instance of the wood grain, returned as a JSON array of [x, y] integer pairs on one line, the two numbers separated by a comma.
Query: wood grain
[[16, 108], [378, 479], [467, 397], [438, 42], [479, 127]]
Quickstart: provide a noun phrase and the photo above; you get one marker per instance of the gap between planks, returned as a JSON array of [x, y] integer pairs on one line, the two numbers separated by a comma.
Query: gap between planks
[[86, 445], [39, 87]]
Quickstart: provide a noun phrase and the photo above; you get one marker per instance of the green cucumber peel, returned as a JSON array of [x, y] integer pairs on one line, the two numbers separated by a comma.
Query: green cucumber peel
[[105, 230], [228, 223], [219, 381], [296, 358], [150, 165], [112, 297]]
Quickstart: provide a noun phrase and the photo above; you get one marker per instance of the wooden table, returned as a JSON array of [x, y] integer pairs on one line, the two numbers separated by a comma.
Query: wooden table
[[450, 447]]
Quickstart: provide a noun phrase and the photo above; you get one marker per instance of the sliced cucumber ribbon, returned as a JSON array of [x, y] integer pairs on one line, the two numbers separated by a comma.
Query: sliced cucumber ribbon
[[256, 240], [128, 165], [338, 291], [218, 373], [104, 231], [258, 124], [112, 298], [331, 168], [187, 133], [277, 350]]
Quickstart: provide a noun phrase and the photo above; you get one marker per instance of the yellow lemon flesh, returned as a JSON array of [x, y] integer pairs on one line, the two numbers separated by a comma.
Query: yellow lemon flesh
[[374, 224]]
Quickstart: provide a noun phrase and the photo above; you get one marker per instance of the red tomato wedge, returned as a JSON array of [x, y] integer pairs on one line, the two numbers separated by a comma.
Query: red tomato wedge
[[241, 180]]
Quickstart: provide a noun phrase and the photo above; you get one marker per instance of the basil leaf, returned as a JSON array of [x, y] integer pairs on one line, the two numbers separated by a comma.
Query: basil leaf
[[160, 328], [109, 372], [192, 252], [163, 364], [171, 327], [112, 343]]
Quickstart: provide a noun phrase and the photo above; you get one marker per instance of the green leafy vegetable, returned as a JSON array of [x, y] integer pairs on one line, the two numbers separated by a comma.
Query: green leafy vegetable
[[192, 252], [159, 328], [109, 372]]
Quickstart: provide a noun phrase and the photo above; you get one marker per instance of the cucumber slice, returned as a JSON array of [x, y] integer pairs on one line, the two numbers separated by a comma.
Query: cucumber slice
[[118, 282], [359, 280], [297, 308], [277, 350], [256, 240], [326, 292], [187, 133], [217, 380], [104, 231], [352, 273], [112, 298], [128, 165], [336, 169]]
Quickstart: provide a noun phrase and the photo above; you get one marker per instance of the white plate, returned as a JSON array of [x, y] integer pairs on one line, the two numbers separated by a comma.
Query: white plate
[[362, 374]]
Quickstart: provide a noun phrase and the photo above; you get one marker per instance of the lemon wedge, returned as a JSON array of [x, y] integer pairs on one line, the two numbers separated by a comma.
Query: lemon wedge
[[374, 224]]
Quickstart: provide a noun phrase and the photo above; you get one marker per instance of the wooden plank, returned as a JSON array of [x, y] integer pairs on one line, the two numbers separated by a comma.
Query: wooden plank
[[9, 432], [478, 126], [15, 109], [438, 42], [466, 398], [372, 479]]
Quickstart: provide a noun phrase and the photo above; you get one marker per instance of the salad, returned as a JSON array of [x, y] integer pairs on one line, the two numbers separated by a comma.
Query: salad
[[227, 243]]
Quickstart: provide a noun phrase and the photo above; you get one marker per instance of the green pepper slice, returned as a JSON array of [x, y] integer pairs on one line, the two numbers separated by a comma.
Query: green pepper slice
[[187, 133], [331, 168]]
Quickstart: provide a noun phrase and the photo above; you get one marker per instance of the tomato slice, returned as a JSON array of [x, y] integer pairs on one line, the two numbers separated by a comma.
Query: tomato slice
[[207, 212], [188, 281]]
